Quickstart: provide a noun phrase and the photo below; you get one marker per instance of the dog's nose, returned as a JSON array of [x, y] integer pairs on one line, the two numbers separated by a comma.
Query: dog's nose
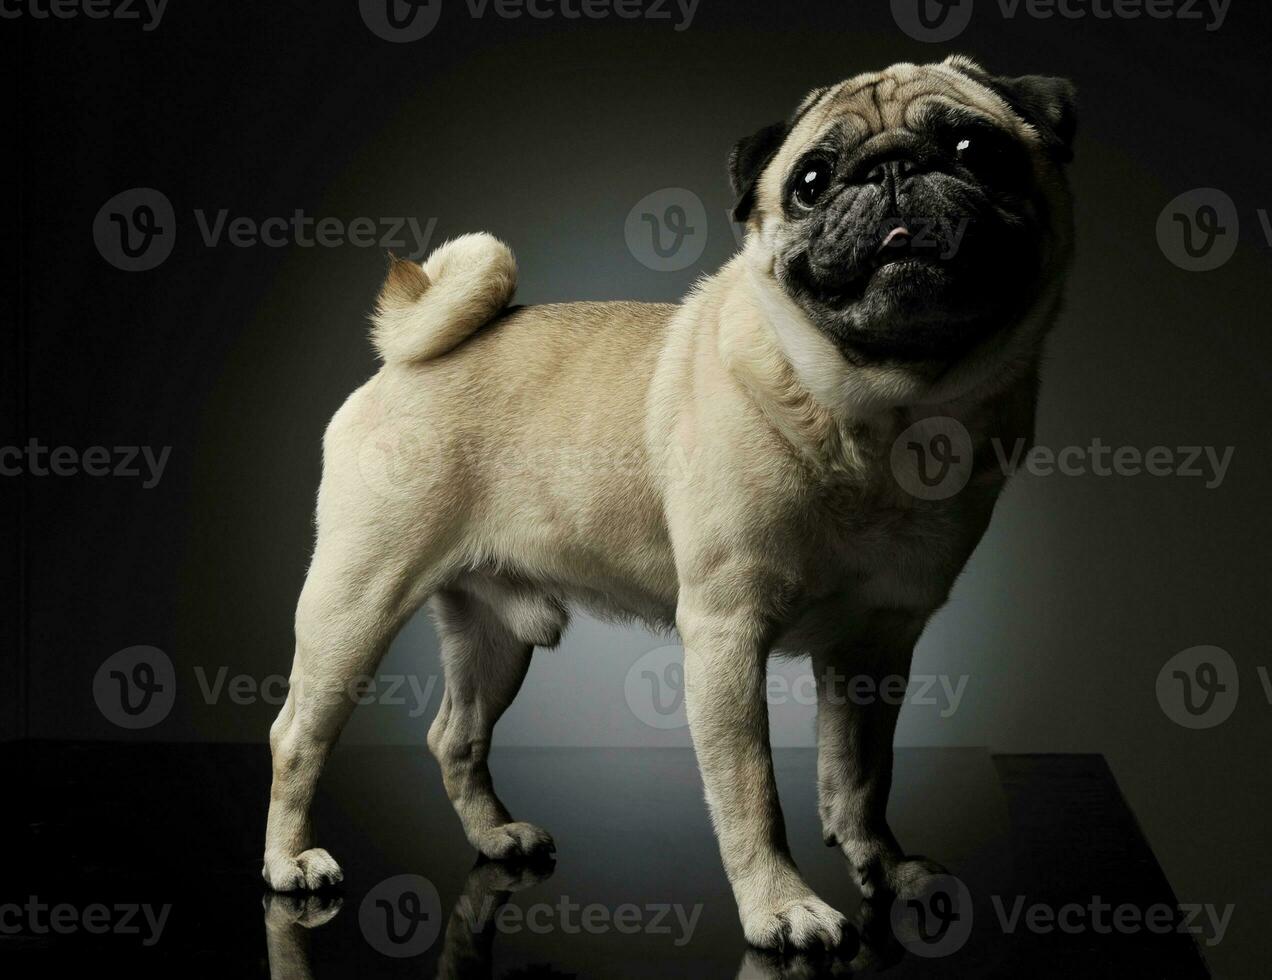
[[897, 169]]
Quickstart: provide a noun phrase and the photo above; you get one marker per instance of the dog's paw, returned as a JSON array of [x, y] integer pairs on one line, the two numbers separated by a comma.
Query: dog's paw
[[513, 841], [799, 923], [308, 871], [296, 909], [883, 873]]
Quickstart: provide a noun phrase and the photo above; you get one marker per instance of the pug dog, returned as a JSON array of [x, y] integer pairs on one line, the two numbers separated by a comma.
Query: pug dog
[[748, 466]]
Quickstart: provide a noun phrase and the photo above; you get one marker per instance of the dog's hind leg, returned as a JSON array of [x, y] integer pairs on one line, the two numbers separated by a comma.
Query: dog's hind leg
[[345, 620], [486, 645], [377, 558]]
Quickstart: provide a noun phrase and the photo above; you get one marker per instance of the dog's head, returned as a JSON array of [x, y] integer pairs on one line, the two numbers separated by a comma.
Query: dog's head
[[916, 213]]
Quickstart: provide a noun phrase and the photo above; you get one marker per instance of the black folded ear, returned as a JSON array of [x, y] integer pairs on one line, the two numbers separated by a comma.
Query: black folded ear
[[1049, 104], [747, 161]]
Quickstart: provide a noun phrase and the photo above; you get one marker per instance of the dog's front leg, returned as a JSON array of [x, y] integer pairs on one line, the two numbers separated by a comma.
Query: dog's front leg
[[857, 711], [725, 657]]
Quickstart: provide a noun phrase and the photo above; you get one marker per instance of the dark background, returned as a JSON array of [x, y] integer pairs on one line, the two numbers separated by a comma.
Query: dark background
[[547, 133]]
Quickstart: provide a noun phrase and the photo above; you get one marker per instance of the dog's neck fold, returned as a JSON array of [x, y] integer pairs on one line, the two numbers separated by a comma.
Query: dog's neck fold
[[819, 401]]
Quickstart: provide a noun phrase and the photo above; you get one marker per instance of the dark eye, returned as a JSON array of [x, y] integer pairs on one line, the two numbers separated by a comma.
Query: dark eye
[[972, 148], [811, 181], [985, 152]]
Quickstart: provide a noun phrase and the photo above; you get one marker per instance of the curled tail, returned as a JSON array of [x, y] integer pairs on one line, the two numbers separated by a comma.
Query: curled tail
[[425, 311]]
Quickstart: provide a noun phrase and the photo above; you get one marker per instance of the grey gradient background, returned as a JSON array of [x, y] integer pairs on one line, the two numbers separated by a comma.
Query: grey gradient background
[[547, 133]]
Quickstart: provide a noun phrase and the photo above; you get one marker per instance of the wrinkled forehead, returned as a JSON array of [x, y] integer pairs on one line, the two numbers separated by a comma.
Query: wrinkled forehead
[[903, 97]]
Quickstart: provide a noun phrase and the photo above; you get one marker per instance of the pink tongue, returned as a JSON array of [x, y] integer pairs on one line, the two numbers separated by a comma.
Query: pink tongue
[[901, 231]]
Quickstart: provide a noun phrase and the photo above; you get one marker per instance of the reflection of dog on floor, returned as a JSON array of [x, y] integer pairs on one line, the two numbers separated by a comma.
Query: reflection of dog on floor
[[728, 465], [469, 943]]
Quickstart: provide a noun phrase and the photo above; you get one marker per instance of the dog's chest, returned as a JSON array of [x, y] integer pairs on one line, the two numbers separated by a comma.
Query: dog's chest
[[898, 521]]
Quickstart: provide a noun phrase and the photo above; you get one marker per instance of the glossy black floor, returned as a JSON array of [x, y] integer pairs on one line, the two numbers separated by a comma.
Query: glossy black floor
[[147, 859]]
